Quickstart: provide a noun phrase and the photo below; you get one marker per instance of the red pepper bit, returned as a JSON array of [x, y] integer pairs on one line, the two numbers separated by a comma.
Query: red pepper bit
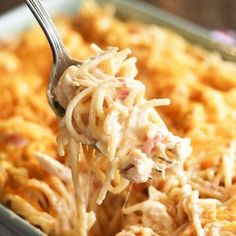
[[123, 94], [149, 144], [14, 139]]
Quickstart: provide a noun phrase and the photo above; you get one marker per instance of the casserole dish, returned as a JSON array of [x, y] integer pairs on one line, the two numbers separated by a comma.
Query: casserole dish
[[13, 225]]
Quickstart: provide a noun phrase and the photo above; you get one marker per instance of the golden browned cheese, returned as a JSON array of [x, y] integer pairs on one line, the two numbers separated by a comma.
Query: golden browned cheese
[[28, 126], [202, 87]]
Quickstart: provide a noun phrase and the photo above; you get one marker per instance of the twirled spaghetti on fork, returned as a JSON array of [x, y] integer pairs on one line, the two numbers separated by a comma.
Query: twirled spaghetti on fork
[[106, 108]]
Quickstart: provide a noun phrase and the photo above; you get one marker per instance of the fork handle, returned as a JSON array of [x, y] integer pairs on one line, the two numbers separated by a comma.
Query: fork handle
[[44, 20]]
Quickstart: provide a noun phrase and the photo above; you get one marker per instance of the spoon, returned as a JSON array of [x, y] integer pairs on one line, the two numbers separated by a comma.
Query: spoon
[[61, 60]]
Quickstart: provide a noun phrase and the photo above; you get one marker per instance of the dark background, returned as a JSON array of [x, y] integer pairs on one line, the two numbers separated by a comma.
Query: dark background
[[213, 14]]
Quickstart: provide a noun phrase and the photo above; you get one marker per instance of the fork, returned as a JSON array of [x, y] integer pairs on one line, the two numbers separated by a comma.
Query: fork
[[61, 60]]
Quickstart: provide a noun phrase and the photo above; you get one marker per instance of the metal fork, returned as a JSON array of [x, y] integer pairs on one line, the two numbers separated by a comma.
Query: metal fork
[[61, 60]]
